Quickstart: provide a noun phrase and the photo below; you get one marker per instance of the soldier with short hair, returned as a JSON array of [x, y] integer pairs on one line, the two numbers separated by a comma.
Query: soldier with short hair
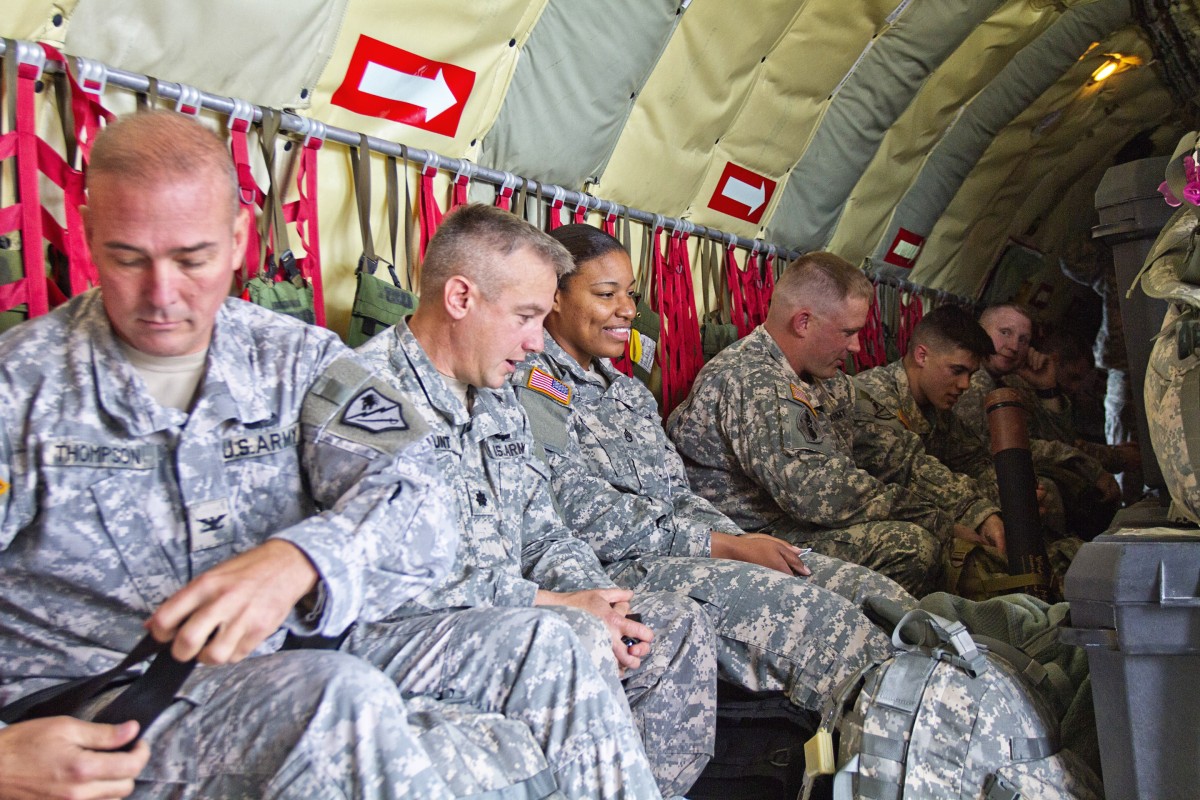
[[778, 438], [487, 282]]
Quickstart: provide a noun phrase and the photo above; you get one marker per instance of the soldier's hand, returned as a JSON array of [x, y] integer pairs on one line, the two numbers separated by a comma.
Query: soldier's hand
[[965, 533], [761, 549], [1040, 370], [992, 531], [1110, 490], [611, 606], [63, 757], [221, 616], [1130, 454]]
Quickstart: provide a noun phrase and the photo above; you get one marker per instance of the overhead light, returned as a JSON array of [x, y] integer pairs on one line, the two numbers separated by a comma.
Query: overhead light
[[1110, 65]]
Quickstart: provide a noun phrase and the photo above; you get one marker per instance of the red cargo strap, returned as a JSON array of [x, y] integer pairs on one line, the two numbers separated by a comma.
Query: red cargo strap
[[556, 205], [304, 213], [870, 339], [504, 194], [250, 195], [911, 311], [431, 213], [682, 356]]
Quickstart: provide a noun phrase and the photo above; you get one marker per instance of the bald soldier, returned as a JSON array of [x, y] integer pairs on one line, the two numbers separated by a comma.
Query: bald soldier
[[1089, 493], [487, 283], [780, 440]]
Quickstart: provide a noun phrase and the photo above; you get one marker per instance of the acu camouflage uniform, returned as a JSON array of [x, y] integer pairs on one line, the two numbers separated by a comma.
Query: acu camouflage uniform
[[110, 504], [947, 439], [513, 544], [622, 489], [810, 463]]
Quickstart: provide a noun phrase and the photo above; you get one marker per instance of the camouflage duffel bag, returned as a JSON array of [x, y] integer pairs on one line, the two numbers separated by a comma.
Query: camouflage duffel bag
[[946, 720], [1172, 391]]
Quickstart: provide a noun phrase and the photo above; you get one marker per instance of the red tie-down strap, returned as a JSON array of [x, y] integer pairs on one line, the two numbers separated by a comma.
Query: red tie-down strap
[[579, 216], [504, 194], [27, 216], [461, 182], [87, 117], [250, 195], [733, 282], [873, 352], [556, 207], [609, 224], [682, 356], [911, 311], [303, 212], [431, 212]]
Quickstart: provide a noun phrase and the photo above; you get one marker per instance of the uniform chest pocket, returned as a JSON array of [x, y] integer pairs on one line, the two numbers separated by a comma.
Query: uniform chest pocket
[[147, 535]]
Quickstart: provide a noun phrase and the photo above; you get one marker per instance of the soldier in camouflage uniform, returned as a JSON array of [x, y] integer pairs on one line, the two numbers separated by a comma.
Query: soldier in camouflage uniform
[[126, 504], [617, 478], [153, 485], [778, 438], [487, 282], [921, 390], [1089, 493]]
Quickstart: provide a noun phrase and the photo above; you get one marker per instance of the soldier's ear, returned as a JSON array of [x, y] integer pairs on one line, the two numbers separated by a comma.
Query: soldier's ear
[[457, 296], [920, 353], [801, 322]]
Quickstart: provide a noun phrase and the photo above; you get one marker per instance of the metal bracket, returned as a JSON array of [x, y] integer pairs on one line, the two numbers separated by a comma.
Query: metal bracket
[[93, 76], [190, 100]]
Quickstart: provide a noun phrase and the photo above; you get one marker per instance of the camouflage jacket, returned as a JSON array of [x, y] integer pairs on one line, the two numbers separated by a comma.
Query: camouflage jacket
[[764, 445], [618, 481], [1046, 452], [942, 432], [513, 541], [110, 503]]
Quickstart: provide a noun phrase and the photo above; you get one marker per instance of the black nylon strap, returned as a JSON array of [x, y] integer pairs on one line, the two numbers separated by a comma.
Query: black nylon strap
[[147, 696]]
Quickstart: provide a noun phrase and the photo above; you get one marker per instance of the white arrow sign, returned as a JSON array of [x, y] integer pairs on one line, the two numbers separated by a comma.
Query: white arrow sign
[[432, 94], [747, 194]]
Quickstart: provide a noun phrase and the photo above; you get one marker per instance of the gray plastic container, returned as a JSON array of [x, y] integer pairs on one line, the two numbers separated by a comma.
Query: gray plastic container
[[1135, 606]]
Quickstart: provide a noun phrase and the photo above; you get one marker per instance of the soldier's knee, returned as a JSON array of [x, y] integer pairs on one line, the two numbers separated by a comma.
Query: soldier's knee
[[342, 684]]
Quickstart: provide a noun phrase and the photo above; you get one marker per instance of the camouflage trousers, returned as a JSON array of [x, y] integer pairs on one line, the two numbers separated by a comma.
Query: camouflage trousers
[[775, 632], [673, 693], [528, 665], [301, 724], [907, 553]]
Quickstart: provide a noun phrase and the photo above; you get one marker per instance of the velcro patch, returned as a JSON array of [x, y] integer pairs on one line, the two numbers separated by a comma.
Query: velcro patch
[[543, 382], [373, 412], [95, 454], [801, 397], [260, 443]]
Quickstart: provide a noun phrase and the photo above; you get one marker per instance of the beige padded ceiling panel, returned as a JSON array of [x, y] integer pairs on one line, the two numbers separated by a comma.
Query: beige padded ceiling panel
[[483, 36], [1035, 158], [215, 45], [906, 145], [744, 93]]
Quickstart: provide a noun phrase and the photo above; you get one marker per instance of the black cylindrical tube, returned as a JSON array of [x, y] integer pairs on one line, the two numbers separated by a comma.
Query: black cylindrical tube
[[1008, 425]]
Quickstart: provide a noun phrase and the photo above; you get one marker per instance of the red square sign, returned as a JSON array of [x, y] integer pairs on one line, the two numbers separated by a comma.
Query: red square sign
[[385, 81], [741, 193]]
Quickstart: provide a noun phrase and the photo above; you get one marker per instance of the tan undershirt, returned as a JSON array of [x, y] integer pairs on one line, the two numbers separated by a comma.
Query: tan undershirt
[[172, 380], [458, 389]]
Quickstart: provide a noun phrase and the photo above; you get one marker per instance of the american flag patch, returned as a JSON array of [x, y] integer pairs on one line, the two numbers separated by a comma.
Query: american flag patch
[[545, 383]]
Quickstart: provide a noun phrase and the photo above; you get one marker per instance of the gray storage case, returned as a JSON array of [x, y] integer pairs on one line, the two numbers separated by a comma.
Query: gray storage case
[[1135, 606]]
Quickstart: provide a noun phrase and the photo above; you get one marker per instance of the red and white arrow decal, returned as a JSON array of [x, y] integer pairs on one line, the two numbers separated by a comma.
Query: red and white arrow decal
[[741, 193], [385, 81]]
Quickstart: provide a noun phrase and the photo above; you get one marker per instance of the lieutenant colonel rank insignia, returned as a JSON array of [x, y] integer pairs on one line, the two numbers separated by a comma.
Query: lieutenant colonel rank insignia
[[373, 412], [544, 383]]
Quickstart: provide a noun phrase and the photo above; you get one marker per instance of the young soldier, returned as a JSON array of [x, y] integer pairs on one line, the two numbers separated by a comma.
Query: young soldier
[[778, 438], [487, 282]]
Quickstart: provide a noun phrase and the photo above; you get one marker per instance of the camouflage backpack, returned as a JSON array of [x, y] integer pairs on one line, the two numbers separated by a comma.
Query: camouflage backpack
[[1172, 390], [944, 720]]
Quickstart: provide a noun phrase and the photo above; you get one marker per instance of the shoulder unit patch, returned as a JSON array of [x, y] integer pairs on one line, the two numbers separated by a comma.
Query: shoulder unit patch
[[373, 412], [544, 383]]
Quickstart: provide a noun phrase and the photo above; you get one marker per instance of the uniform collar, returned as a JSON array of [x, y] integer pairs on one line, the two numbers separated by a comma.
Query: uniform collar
[[227, 391], [909, 412], [407, 355]]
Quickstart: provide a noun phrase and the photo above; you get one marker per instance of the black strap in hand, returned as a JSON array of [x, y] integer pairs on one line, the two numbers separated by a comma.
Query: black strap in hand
[[148, 694]]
